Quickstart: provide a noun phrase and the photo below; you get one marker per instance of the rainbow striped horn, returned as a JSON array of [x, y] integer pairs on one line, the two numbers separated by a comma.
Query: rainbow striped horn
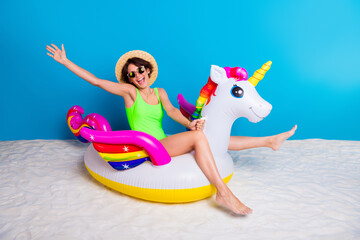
[[260, 73]]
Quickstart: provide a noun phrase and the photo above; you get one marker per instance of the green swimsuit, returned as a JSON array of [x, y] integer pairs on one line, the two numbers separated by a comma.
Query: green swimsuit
[[145, 117]]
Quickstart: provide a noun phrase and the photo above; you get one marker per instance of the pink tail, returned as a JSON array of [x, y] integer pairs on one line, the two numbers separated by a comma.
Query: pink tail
[[96, 129], [186, 108]]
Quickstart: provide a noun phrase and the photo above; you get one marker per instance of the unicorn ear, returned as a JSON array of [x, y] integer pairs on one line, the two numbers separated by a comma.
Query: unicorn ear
[[218, 74]]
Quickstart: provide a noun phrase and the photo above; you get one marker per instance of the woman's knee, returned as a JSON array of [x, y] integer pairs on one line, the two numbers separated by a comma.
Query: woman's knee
[[199, 136]]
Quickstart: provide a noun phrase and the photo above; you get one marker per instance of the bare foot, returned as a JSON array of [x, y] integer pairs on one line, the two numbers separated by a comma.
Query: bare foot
[[277, 140], [233, 203]]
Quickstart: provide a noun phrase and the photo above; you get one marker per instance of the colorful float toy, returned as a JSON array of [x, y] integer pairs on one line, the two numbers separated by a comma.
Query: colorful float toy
[[136, 164]]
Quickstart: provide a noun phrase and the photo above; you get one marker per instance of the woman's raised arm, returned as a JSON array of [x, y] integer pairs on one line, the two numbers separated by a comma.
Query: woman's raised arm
[[122, 89]]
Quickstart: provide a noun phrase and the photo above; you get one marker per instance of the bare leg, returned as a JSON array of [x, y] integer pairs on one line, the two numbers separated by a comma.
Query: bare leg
[[195, 140], [274, 142]]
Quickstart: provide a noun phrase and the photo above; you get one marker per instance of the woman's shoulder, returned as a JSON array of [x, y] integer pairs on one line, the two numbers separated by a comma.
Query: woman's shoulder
[[131, 89], [161, 90], [163, 95], [124, 89], [129, 86]]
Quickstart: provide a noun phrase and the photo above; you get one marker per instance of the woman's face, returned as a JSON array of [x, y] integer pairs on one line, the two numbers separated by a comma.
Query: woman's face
[[141, 80]]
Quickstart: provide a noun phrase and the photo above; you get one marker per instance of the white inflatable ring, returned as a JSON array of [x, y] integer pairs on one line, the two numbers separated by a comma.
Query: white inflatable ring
[[179, 181]]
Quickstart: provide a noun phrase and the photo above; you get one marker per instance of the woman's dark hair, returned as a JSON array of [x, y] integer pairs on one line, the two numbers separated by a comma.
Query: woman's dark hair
[[137, 62]]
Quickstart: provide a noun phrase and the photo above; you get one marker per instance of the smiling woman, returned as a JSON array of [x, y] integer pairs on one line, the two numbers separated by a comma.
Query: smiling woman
[[140, 94], [136, 71]]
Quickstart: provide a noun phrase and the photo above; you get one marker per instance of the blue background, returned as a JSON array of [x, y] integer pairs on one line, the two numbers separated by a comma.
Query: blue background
[[314, 46]]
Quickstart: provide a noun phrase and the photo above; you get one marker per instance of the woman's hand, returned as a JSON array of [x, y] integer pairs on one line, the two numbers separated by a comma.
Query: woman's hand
[[197, 124], [56, 53]]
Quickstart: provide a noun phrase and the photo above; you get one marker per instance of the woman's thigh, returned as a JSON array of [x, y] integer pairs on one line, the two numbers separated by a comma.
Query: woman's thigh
[[180, 143]]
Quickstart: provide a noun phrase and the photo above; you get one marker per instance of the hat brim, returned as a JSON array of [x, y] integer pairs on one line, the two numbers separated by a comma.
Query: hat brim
[[139, 54]]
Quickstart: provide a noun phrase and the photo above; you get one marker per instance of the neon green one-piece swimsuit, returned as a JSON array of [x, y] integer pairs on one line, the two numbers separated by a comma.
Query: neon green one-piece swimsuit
[[145, 117]]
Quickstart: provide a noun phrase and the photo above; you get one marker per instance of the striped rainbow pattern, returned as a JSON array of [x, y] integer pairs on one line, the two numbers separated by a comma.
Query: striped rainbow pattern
[[119, 156], [205, 94], [122, 156]]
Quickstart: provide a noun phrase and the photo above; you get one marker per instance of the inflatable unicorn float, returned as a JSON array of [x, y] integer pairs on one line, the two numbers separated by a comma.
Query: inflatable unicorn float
[[136, 164]]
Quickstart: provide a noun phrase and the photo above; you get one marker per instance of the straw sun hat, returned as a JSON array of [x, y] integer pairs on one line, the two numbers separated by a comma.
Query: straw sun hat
[[139, 54]]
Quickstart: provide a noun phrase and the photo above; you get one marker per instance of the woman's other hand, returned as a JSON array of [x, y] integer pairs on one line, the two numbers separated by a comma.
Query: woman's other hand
[[56, 53], [197, 124]]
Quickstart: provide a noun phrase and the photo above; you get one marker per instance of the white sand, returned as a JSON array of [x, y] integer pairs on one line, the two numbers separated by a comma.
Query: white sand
[[309, 189]]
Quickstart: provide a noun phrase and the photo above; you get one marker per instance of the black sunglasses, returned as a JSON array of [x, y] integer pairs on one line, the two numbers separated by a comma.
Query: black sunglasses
[[140, 70]]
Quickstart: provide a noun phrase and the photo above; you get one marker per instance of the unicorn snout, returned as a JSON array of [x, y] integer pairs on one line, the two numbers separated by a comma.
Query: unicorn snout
[[259, 112]]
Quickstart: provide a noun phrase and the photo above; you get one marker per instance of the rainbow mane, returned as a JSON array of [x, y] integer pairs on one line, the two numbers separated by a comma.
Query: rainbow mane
[[194, 112], [205, 94]]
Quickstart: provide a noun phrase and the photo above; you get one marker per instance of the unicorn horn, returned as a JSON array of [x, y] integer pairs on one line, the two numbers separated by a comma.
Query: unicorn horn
[[259, 74]]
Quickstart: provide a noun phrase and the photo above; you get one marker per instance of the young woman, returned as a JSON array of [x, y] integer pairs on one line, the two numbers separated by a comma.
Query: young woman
[[136, 71]]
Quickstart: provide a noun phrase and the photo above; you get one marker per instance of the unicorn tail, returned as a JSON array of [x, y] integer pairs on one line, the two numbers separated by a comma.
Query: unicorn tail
[[92, 121], [186, 108], [121, 149]]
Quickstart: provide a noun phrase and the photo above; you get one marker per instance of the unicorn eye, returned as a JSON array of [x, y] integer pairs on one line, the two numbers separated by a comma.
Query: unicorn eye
[[237, 92]]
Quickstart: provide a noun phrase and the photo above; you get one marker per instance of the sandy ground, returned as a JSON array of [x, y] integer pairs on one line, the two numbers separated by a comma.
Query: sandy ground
[[309, 189]]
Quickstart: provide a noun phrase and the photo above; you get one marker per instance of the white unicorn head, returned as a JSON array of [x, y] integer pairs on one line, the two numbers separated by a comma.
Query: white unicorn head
[[237, 98], [232, 99], [228, 96]]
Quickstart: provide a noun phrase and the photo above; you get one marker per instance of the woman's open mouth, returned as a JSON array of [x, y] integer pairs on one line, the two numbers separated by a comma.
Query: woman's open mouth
[[141, 80]]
